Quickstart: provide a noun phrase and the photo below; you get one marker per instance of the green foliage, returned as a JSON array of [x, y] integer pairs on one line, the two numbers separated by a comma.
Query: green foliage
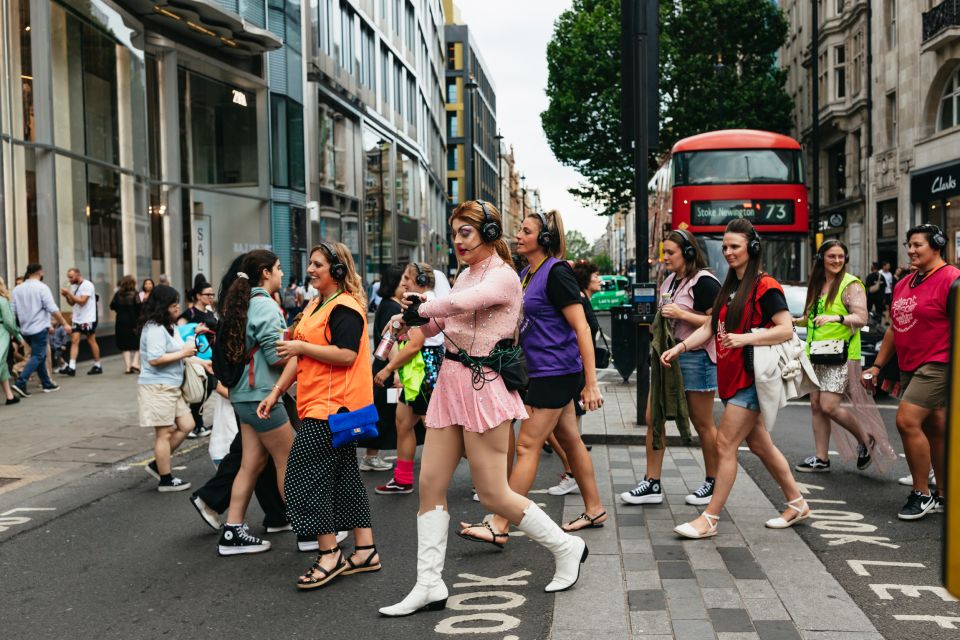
[[577, 246], [604, 263], [718, 70]]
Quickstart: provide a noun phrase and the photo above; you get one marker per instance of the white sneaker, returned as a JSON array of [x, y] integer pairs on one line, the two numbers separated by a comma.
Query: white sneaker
[[566, 485], [907, 480], [374, 463]]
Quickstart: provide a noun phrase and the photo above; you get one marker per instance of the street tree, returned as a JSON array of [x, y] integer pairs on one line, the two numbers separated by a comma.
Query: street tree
[[718, 70], [604, 262], [577, 246]]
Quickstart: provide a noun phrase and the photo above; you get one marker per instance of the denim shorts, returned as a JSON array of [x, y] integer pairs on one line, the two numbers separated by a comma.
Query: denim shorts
[[746, 398], [699, 372]]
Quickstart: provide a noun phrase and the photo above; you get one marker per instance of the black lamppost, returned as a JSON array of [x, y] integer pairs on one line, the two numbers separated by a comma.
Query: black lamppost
[[499, 138], [523, 196], [471, 86]]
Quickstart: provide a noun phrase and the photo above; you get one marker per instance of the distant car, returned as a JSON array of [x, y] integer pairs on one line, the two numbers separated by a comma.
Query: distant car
[[871, 335], [613, 292]]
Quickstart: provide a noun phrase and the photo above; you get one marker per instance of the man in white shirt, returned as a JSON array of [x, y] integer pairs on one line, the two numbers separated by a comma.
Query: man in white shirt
[[83, 296], [33, 305], [888, 283]]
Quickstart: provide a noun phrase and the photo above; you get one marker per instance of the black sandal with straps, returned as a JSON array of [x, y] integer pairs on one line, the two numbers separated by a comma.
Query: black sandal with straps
[[485, 525], [364, 566], [310, 581]]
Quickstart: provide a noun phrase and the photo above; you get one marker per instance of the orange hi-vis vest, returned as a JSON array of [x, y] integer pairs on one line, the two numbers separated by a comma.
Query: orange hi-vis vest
[[323, 388]]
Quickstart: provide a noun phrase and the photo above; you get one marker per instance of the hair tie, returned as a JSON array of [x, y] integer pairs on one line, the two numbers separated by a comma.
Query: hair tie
[[241, 274]]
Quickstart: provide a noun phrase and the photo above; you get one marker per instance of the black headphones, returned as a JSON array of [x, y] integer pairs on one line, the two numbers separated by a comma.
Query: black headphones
[[822, 251], [937, 240], [686, 245], [422, 279], [753, 246], [545, 238], [490, 231], [338, 270]]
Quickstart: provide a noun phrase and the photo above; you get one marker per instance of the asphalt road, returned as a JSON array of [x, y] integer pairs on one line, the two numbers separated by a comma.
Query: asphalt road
[[111, 558]]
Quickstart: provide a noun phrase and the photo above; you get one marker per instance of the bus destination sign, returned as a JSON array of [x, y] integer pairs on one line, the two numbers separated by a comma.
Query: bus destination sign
[[719, 212]]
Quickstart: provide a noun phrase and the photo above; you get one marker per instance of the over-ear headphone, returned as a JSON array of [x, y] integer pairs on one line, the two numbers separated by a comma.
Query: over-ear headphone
[[686, 245], [490, 231], [338, 270], [422, 279], [937, 240], [822, 251], [545, 238], [753, 246]]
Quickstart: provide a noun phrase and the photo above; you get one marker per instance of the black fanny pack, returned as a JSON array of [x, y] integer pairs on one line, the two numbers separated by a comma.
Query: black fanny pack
[[506, 360]]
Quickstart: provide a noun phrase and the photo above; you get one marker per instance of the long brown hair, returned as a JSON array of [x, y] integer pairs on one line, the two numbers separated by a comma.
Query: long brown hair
[[819, 276], [744, 288], [472, 212], [690, 267], [352, 283], [233, 324]]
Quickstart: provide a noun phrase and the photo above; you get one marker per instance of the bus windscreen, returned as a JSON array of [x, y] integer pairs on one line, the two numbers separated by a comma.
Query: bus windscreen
[[737, 166]]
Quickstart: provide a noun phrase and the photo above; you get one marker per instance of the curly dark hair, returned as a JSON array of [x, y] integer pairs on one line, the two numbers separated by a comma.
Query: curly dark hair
[[157, 308], [234, 306]]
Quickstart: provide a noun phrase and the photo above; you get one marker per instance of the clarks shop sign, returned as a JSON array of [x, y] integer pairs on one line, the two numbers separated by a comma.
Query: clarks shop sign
[[935, 184]]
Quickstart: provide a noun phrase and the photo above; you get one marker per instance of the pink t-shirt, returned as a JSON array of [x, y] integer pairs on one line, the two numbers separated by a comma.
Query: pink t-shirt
[[921, 327]]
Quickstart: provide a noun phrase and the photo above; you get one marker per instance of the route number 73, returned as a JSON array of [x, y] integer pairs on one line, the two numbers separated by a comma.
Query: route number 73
[[775, 211]]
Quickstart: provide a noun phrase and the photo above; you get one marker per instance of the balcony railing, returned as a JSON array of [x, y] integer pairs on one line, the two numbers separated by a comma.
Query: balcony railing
[[943, 16]]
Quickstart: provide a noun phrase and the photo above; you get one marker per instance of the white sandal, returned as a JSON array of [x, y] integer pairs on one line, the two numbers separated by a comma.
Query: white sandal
[[687, 530], [802, 514]]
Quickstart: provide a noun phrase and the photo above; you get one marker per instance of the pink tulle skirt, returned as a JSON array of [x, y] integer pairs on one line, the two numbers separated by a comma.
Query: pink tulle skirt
[[456, 402], [861, 404]]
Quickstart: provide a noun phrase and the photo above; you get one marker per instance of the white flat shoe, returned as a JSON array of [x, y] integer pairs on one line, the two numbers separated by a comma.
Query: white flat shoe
[[687, 530], [803, 512]]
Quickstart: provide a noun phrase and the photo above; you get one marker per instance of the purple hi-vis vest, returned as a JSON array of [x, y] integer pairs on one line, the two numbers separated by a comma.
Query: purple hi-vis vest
[[549, 342]]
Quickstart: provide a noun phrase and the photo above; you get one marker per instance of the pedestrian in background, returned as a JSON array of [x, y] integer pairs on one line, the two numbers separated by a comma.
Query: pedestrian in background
[[162, 408], [8, 332], [471, 415], [919, 335], [292, 299], [329, 357], [83, 296], [835, 309], [749, 299], [874, 285], [145, 290], [252, 326], [392, 289], [33, 304], [889, 281], [201, 312], [687, 298], [126, 305], [417, 363]]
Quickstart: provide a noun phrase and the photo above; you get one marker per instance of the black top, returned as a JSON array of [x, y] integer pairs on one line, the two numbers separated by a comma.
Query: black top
[[705, 294], [194, 314], [772, 303], [346, 328], [591, 317], [562, 289]]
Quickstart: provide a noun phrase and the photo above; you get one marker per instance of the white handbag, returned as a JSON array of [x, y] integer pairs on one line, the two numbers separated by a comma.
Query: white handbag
[[828, 352]]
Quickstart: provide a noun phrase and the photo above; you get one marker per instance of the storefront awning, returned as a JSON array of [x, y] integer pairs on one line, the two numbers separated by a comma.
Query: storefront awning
[[207, 24]]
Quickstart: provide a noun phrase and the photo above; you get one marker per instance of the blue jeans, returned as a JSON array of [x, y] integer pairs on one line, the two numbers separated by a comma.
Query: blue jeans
[[38, 361]]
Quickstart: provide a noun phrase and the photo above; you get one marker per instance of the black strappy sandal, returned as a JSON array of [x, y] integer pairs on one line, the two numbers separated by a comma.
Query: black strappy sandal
[[310, 581], [486, 525], [593, 524], [365, 566]]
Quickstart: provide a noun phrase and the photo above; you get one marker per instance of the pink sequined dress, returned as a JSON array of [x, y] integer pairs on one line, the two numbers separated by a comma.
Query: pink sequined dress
[[483, 308]]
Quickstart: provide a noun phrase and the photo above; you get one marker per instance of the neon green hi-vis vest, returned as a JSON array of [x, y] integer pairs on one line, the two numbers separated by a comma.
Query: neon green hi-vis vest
[[835, 330], [412, 375]]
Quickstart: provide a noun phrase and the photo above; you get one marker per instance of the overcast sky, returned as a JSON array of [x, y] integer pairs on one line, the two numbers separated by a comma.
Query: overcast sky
[[513, 36]]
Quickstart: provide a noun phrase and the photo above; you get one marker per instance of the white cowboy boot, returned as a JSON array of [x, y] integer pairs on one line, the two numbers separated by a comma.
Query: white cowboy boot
[[429, 594], [568, 551]]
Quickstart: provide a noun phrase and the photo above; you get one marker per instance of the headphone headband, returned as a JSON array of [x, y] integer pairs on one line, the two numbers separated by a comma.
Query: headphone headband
[[687, 247], [422, 279], [829, 244], [546, 238], [490, 231], [937, 238]]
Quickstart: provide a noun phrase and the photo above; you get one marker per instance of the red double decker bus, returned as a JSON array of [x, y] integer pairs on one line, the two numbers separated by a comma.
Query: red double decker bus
[[719, 176]]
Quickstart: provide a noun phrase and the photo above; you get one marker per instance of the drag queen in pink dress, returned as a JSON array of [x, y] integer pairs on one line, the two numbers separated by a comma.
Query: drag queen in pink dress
[[471, 415]]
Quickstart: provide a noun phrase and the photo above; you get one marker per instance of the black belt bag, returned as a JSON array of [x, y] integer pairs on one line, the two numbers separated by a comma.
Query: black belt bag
[[506, 359]]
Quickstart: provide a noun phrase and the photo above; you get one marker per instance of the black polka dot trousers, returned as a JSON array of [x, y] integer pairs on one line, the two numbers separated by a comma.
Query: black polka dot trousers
[[323, 488]]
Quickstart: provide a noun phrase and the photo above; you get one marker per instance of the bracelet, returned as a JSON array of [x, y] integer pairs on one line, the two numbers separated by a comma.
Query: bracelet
[[684, 343], [841, 317], [277, 387]]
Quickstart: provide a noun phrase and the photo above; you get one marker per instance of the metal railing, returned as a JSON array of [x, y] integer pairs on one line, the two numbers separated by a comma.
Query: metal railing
[[943, 16]]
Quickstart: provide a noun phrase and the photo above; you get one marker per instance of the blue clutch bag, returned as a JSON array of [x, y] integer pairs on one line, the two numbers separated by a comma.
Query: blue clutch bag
[[351, 426]]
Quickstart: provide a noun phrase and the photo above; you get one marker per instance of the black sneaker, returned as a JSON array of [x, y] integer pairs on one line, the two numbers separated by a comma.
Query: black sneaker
[[67, 371], [13, 400], [151, 470], [173, 484], [918, 505], [95, 370], [863, 455], [701, 495], [53, 387], [393, 487], [647, 492], [813, 464], [20, 391], [237, 539], [941, 504]]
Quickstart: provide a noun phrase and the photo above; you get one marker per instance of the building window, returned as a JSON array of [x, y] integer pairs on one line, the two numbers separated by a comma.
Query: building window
[[410, 32], [887, 219], [411, 99], [397, 18], [385, 75], [397, 86], [857, 162], [287, 152], [840, 71], [368, 63], [224, 131], [453, 125], [452, 91], [324, 21], [451, 56], [346, 38], [891, 118], [839, 7], [453, 158], [856, 73], [950, 103], [890, 14], [837, 172], [453, 190], [822, 70]]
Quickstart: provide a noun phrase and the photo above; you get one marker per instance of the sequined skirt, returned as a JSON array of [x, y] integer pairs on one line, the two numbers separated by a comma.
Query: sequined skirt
[[833, 377]]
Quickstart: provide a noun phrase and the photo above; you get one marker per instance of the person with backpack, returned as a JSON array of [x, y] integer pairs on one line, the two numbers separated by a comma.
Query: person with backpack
[[292, 299], [248, 364]]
